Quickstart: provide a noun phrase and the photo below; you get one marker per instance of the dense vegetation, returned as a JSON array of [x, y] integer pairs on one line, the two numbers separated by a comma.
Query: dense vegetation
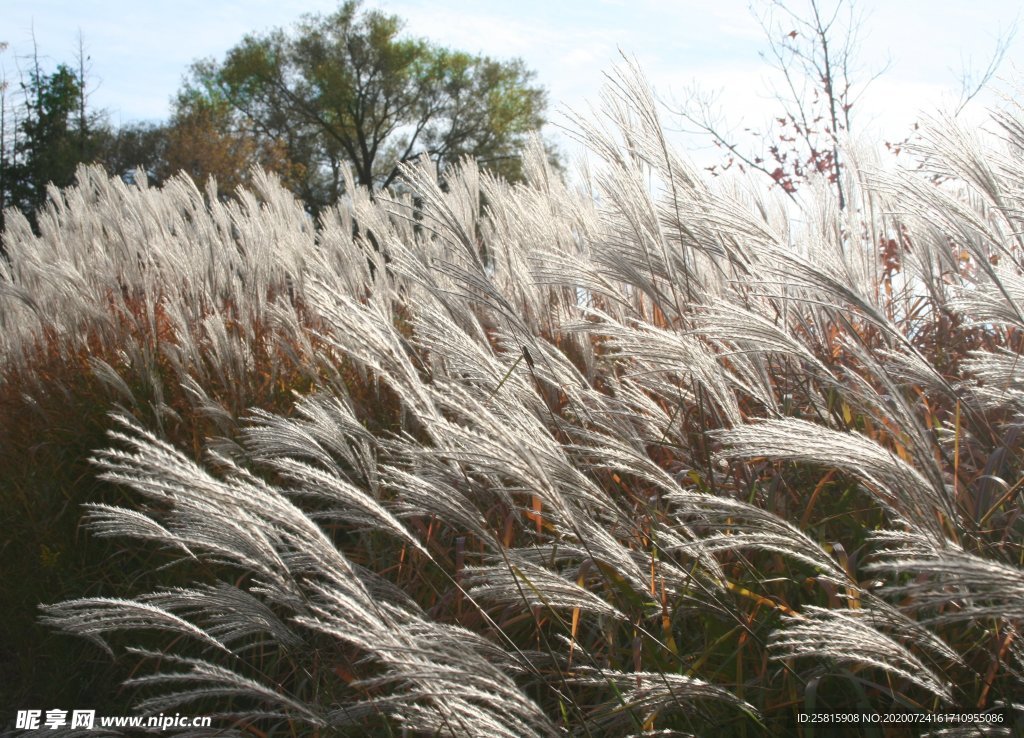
[[347, 90], [643, 457]]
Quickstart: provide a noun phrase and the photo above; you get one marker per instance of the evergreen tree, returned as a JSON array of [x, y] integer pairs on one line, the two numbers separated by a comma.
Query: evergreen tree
[[51, 140]]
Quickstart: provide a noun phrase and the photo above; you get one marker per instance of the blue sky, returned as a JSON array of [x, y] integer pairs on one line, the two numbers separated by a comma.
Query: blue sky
[[140, 49]]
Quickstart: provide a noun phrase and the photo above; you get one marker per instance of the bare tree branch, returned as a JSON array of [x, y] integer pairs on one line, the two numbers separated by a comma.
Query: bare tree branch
[[971, 86]]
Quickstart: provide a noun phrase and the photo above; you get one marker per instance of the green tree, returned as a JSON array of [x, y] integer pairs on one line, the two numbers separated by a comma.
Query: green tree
[[50, 146], [46, 131], [131, 147], [348, 89]]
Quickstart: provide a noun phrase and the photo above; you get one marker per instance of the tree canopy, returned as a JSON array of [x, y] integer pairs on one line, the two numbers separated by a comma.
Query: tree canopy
[[49, 138], [47, 129], [348, 89]]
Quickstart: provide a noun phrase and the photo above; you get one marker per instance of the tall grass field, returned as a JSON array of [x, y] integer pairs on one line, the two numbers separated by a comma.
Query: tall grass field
[[646, 454]]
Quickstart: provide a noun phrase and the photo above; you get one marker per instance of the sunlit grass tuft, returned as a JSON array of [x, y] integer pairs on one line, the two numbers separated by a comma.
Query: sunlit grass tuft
[[642, 456]]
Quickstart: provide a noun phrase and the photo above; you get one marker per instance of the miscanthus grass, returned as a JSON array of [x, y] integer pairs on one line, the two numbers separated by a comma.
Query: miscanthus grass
[[646, 456]]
